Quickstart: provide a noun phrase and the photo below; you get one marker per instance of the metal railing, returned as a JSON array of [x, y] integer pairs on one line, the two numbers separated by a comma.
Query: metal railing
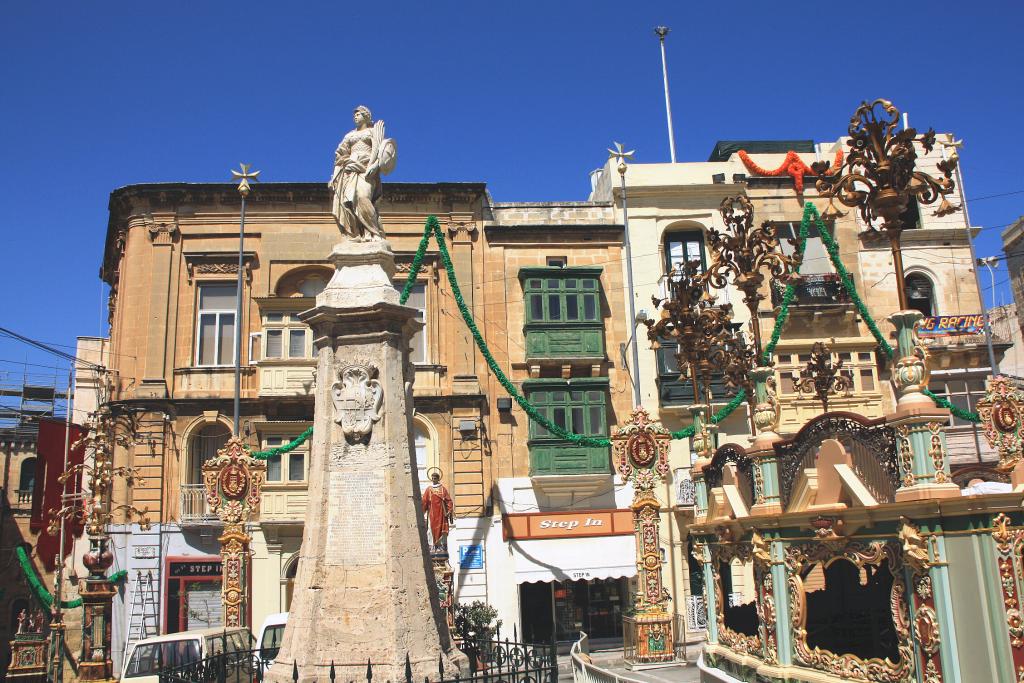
[[490, 661], [696, 614], [194, 508], [585, 671]]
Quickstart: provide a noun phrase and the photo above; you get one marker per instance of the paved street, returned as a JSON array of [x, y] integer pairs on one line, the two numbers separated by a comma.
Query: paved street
[[611, 660]]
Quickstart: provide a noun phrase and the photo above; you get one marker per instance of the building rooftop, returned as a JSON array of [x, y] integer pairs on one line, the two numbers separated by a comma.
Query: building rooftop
[[726, 148]]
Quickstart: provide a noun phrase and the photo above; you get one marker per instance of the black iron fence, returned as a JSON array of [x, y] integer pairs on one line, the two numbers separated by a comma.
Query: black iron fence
[[490, 661]]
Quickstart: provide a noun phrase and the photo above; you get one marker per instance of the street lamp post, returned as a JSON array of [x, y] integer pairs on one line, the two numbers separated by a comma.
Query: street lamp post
[[621, 155], [244, 176]]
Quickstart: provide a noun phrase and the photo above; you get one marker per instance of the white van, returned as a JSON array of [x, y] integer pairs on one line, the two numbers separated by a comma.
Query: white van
[[188, 647], [269, 639]]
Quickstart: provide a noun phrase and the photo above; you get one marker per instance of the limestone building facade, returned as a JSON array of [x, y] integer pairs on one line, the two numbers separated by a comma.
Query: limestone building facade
[[541, 282]]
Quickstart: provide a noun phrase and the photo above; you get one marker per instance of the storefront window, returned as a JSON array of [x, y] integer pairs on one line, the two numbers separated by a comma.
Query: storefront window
[[594, 607], [193, 595]]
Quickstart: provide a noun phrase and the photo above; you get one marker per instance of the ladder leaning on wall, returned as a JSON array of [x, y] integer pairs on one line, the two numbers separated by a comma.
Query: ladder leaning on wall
[[145, 614]]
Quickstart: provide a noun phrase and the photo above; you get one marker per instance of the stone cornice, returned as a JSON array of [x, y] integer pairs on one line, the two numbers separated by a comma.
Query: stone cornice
[[131, 200]]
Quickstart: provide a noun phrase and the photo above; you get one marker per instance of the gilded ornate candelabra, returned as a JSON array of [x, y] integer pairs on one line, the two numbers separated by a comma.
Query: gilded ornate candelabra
[[745, 255], [106, 431], [879, 177], [706, 339], [823, 377]]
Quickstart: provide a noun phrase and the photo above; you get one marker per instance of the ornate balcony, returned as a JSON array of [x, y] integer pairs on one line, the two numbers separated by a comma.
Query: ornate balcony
[[820, 289], [194, 509]]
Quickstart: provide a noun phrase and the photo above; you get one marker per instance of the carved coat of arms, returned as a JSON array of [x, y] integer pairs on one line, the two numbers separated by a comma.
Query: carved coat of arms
[[358, 400]]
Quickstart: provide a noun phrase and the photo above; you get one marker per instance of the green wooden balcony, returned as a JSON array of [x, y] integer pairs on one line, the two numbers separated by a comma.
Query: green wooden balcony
[[579, 406], [563, 313], [550, 459]]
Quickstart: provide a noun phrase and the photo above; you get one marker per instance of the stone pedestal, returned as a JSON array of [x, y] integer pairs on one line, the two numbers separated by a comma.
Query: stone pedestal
[[365, 590]]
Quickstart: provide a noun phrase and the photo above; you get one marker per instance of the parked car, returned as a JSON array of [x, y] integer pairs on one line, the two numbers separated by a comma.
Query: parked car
[[269, 638], [148, 656]]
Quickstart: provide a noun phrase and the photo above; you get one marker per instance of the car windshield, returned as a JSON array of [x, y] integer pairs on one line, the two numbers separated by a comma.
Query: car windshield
[[148, 658], [271, 644]]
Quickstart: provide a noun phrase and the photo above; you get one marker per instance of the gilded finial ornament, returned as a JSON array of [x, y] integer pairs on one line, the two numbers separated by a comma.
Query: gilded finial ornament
[[244, 176]]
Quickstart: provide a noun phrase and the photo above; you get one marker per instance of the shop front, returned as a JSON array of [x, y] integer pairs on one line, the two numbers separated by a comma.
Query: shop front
[[193, 594], [573, 570]]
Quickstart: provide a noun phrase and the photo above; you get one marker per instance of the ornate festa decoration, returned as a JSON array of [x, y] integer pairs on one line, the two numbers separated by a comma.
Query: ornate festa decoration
[[887, 555], [358, 400], [106, 430], [742, 643], [640, 451], [234, 482], [822, 377], [792, 165], [1002, 417], [1009, 548], [879, 176], [745, 255]]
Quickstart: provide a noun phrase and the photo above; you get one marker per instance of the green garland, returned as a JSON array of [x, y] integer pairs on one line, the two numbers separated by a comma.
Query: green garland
[[42, 594], [286, 448], [844, 276]]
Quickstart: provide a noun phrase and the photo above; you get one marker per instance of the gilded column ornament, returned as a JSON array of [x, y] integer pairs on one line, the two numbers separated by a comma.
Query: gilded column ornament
[[233, 481], [640, 452], [937, 452], [1009, 548], [1002, 419]]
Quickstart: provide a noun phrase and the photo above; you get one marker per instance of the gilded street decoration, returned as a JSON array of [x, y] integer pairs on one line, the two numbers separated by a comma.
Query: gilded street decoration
[[640, 452], [233, 481], [1002, 418], [822, 377]]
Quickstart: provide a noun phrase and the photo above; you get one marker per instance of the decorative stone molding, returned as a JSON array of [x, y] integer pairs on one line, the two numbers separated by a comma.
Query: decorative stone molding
[[217, 263], [161, 233]]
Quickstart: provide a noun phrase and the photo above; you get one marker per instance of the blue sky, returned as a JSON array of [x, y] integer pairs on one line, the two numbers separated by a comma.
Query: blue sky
[[524, 96]]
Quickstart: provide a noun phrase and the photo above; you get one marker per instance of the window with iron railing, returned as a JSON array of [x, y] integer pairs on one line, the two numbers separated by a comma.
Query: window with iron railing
[[673, 390]]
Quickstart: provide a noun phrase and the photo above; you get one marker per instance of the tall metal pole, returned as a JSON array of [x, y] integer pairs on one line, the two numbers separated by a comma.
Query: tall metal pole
[[243, 189], [621, 156], [974, 256], [56, 663], [661, 32]]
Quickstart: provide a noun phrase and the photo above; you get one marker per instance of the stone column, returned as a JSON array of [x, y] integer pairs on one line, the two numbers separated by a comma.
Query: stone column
[[364, 590], [919, 423]]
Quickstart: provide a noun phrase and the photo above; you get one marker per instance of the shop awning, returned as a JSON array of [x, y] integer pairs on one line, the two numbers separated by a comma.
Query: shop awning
[[572, 559]]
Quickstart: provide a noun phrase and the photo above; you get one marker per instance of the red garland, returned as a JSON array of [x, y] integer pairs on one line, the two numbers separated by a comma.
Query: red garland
[[792, 165]]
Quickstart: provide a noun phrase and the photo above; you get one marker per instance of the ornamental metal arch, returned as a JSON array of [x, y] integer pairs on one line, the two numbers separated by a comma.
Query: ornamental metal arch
[[736, 455], [871, 444]]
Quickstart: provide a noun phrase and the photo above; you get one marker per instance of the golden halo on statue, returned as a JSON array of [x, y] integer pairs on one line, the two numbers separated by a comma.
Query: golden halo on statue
[[431, 470]]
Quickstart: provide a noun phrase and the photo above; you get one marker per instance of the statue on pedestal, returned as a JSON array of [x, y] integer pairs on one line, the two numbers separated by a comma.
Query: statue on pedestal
[[439, 511], [363, 155]]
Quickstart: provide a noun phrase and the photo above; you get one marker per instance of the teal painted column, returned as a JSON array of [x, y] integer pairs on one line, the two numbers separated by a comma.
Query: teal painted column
[[941, 589], [919, 423], [710, 597], [780, 586], [700, 449], [766, 419]]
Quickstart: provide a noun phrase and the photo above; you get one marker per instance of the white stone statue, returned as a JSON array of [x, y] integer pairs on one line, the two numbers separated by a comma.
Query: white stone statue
[[363, 155]]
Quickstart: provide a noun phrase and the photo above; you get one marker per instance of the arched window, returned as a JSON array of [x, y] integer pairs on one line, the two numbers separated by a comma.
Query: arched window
[[204, 445], [920, 294], [288, 580], [682, 246], [27, 478], [312, 286], [421, 441]]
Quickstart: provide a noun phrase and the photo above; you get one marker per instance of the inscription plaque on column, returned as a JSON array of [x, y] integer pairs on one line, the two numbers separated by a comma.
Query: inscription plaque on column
[[355, 521]]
